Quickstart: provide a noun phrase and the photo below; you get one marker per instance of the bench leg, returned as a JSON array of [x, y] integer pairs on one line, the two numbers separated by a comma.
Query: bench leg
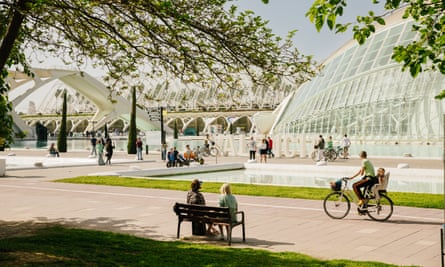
[[179, 229], [229, 234], [244, 232]]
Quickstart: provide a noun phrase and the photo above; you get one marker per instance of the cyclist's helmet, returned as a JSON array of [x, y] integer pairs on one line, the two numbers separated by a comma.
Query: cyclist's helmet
[[336, 186]]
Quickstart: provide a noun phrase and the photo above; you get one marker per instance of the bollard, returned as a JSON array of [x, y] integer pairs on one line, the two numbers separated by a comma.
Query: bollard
[[441, 244], [2, 167], [146, 149]]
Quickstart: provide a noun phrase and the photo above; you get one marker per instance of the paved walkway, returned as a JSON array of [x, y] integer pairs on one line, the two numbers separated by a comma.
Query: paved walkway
[[411, 237]]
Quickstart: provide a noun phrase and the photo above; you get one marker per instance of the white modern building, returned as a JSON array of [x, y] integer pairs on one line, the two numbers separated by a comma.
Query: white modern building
[[361, 91]]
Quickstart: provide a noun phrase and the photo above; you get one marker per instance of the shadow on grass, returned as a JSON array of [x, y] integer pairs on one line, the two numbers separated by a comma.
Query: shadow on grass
[[125, 226], [50, 245]]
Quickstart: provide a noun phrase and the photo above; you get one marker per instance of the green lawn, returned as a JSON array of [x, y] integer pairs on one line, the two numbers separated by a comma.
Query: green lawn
[[400, 199], [57, 246]]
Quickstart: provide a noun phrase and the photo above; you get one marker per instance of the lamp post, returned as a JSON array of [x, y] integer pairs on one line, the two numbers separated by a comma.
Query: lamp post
[[161, 110], [92, 122]]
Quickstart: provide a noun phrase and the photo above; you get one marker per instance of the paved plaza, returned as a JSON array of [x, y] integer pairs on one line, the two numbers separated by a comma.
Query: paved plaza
[[410, 237]]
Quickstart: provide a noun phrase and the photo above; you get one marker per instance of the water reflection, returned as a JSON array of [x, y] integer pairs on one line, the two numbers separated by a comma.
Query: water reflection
[[430, 186]]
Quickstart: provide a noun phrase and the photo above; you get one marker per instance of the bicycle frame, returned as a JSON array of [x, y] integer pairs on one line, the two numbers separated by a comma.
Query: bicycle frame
[[348, 192], [337, 204]]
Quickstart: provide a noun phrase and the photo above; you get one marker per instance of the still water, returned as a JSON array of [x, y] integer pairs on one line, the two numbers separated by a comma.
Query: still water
[[262, 177]]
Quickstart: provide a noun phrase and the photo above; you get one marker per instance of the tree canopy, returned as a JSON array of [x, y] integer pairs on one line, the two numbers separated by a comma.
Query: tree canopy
[[425, 53], [194, 40]]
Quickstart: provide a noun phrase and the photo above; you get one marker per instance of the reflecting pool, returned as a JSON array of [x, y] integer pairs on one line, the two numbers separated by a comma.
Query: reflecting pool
[[262, 177]]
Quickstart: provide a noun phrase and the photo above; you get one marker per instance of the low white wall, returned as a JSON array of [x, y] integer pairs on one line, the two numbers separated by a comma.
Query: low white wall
[[2, 167]]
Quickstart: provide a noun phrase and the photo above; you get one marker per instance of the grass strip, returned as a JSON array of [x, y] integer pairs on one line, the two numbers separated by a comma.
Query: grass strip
[[419, 200], [58, 246]]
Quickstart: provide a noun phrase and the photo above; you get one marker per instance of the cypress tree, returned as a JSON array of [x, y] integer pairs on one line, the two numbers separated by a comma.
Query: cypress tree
[[175, 131], [106, 131], [61, 138], [131, 146]]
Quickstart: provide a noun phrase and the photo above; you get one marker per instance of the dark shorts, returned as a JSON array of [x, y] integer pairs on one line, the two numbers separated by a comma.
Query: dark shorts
[[263, 151]]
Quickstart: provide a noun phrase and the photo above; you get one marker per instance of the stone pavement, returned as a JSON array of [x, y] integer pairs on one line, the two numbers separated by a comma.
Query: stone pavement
[[411, 237]]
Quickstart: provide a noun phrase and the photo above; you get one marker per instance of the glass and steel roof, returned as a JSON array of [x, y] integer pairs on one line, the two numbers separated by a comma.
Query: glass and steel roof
[[362, 92]]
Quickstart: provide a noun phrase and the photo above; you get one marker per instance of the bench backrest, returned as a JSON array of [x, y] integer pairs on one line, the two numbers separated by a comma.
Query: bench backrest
[[200, 212]]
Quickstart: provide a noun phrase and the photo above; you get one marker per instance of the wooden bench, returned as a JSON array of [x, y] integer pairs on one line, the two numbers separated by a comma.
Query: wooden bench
[[207, 214]]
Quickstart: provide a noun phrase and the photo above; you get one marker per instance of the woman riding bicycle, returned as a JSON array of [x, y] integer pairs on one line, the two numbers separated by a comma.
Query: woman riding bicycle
[[369, 179]]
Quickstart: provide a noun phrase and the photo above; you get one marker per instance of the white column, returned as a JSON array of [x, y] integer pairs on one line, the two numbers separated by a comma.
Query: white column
[[2, 167], [303, 150]]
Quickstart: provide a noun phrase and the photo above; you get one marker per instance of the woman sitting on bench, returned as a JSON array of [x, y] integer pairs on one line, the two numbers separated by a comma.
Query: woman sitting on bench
[[197, 198], [53, 150], [226, 199]]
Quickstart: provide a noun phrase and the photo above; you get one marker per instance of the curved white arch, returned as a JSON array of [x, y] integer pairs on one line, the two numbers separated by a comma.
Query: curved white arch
[[108, 107]]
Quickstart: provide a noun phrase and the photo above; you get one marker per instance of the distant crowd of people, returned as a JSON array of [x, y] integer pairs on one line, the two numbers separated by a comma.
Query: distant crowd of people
[[265, 149], [101, 147], [321, 146], [175, 158]]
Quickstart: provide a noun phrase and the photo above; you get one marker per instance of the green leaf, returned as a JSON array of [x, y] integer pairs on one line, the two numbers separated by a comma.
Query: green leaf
[[331, 21], [441, 95], [380, 21], [319, 21], [415, 69]]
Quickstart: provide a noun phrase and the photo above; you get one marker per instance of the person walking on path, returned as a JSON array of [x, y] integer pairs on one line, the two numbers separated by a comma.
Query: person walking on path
[[263, 151], [269, 147], [100, 153], [139, 148], [346, 143], [108, 151], [321, 144], [252, 148], [93, 145]]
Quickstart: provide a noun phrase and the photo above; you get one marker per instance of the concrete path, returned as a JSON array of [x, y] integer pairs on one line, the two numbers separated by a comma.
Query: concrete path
[[411, 237]]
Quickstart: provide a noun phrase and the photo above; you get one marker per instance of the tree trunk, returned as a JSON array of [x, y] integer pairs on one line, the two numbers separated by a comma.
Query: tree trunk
[[13, 32], [131, 146], [61, 138]]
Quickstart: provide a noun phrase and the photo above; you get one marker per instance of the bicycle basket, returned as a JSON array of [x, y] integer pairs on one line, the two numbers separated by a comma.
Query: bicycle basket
[[336, 186]]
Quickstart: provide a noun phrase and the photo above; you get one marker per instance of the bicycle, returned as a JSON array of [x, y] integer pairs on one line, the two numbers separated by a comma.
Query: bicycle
[[339, 150], [337, 204], [330, 155], [212, 150]]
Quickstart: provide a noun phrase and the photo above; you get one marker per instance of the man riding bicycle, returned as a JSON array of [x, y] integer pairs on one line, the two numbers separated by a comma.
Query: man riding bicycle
[[368, 174]]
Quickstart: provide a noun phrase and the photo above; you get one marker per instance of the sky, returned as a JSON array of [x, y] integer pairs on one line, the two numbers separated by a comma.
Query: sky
[[287, 15]]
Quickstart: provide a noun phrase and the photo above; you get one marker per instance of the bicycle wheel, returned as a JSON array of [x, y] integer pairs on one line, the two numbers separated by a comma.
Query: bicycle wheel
[[331, 155], [336, 205], [314, 155], [380, 210], [341, 153], [213, 151]]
